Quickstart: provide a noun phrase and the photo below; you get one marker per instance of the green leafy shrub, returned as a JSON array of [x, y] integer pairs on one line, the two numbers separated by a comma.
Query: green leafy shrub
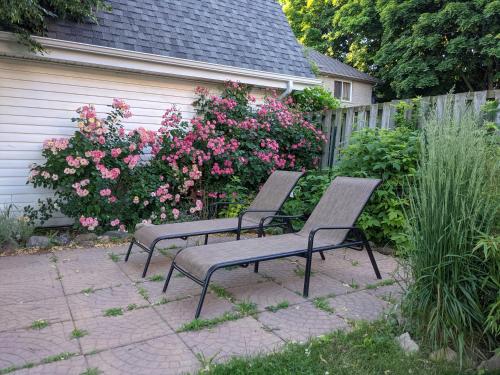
[[453, 251], [315, 99], [390, 155], [13, 230]]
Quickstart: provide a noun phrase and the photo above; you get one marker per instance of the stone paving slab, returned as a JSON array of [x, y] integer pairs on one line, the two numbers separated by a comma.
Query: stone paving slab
[[28, 289], [178, 313], [358, 306], [234, 277], [243, 337], [280, 269], [159, 265], [34, 271], [179, 288], [162, 356], [113, 331], [265, 294], [31, 346], [78, 281], [301, 322], [319, 286], [72, 366], [23, 261], [86, 305], [387, 292], [22, 315]]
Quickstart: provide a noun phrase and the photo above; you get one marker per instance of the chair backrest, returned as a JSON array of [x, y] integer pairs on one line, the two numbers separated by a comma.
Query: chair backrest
[[273, 194], [340, 206]]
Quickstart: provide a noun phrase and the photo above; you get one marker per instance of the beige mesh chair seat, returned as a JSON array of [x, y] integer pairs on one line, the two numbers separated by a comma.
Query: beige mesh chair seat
[[330, 226], [268, 201]]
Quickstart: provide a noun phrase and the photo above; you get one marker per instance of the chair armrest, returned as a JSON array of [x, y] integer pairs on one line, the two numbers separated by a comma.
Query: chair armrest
[[286, 217], [243, 213], [313, 232]]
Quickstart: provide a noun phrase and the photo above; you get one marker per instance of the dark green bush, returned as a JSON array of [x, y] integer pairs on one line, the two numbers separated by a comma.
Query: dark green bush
[[314, 99], [390, 155]]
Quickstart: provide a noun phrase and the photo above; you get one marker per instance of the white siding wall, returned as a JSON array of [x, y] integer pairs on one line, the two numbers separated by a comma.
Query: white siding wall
[[38, 100], [361, 91]]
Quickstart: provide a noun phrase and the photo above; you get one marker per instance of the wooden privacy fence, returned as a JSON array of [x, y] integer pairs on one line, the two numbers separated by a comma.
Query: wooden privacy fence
[[338, 125]]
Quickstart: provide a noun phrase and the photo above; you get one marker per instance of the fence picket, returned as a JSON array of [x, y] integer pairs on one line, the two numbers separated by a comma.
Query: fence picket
[[327, 129], [373, 116]]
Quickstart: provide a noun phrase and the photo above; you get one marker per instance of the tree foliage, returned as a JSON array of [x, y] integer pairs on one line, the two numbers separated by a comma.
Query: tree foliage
[[31, 17], [416, 47]]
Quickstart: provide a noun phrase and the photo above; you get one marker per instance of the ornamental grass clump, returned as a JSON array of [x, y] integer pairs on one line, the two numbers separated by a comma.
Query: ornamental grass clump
[[453, 203]]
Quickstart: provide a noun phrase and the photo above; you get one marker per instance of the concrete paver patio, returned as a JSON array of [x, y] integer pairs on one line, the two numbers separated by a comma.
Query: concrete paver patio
[[72, 291]]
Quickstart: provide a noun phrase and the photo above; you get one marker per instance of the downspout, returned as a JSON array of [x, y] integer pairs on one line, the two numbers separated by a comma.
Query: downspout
[[288, 91]]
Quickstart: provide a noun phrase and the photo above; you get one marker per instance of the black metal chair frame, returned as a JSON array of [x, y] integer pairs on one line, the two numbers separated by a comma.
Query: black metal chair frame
[[359, 240], [287, 224]]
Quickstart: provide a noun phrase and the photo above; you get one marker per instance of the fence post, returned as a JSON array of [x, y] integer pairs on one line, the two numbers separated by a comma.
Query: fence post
[[349, 121], [338, 132]]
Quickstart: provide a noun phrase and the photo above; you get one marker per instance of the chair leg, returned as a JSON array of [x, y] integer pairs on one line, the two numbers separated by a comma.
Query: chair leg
[[256, 267], [370, 255], [307, 275], [129, 250], [146, 266], [322, 255], [202, 297], [167, 280], [206, 239]]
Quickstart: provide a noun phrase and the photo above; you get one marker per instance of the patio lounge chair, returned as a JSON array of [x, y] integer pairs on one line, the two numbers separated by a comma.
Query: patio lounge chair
[[330, 226], [268, 201]]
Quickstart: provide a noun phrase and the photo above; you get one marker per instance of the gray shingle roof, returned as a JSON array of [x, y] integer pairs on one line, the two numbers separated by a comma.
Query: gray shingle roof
[[252, 34], [329, 65]]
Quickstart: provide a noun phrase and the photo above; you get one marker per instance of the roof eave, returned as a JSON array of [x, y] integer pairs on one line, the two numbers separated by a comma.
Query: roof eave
[[119, 59], [351, 78]]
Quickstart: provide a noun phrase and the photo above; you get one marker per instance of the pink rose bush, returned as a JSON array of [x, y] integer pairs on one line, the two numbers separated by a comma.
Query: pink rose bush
[[109, 178]]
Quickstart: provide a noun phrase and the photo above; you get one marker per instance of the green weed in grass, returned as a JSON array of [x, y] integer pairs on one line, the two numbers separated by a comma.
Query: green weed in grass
[[156, 278], [322, 304], [280, 306], [246, 308], [88, 291], [39, 324], [78, 333], [92, 371], [380, 283], [10, 369], [221, 292], [162, 301], [178, 274], [354, 285], [143, 292], [354, 263], [114, 257], [131, 307], [115, 311], [199, 324], [58, 357]]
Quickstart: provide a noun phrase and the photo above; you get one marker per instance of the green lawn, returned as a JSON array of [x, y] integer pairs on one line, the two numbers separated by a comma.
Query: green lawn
[[368, 349]]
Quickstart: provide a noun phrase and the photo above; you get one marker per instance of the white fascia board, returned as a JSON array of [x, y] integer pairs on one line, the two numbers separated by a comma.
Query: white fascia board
[[62, 51]]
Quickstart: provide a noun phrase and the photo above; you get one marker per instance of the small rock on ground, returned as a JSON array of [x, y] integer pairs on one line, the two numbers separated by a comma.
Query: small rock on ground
[[38, 241], [444, 354], [62, 239], [407, 344], [492, 364], [86, 239], [116, 234]]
